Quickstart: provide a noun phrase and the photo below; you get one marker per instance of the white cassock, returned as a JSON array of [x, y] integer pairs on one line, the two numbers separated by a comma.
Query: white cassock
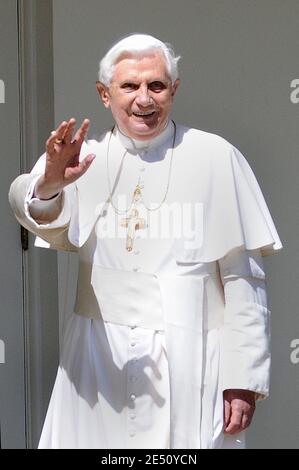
[[159, 332]]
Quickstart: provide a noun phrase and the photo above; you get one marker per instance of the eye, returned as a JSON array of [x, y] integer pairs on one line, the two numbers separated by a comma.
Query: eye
[[128, 86], [157, 86]]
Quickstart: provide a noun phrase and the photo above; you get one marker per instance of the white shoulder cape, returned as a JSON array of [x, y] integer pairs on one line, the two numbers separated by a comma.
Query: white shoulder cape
[[235, 211]]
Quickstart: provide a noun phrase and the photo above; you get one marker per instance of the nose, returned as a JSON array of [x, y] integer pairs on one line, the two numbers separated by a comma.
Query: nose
[[143, 98]]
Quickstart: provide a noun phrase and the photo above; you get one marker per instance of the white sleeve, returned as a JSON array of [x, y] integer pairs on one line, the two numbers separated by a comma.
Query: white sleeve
[[245, 341], [44, 212], [48, 220]]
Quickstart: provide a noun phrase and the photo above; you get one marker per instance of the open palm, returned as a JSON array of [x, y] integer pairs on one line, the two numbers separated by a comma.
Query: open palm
[[62, 159]]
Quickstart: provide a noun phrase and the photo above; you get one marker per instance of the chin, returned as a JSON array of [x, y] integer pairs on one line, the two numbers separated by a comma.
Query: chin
[[147, 136], [144, 133]]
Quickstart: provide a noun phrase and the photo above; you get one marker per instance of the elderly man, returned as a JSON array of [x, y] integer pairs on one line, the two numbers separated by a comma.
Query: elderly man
[[168, 346]]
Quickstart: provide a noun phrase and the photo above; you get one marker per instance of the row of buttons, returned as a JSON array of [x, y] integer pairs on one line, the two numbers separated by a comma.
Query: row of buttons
[[132, 380]]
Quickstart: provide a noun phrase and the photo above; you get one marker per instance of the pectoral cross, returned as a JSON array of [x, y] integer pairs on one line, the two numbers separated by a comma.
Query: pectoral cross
[[133, 223]]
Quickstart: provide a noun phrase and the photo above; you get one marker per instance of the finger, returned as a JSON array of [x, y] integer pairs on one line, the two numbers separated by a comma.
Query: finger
[[82, 132], [60, 131], [56, 134], [227, 412], [235, 423], [79, 169], [86, 162], [68, 133], [246, 420], [233, 428]]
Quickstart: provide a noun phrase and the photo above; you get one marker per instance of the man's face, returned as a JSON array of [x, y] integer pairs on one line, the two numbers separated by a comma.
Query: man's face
[[140, 95]]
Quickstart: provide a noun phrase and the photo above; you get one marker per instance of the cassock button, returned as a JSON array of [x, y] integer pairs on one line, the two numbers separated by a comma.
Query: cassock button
[[133, 378]]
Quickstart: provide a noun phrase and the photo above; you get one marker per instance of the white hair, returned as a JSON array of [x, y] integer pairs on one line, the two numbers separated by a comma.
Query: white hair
[[139, 44]]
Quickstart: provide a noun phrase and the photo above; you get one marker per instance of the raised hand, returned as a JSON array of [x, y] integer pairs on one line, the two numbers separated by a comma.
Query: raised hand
[[62, 159]]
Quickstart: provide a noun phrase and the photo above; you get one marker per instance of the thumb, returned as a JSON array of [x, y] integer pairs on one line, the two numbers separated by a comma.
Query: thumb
[[86, 162]]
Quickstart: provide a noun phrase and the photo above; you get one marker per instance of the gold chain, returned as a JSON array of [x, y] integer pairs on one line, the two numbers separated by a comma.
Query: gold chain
[[137, 192]]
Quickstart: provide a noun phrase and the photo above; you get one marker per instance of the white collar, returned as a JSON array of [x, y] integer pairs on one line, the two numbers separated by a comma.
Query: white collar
[[136, 146]]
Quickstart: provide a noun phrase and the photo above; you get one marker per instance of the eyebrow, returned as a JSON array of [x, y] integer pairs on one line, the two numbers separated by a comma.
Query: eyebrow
[[136, 81]]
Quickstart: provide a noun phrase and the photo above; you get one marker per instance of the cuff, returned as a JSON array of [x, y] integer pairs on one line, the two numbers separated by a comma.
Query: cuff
[[44, 211]]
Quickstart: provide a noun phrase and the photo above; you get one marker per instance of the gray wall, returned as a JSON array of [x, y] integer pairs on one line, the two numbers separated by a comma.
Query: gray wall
[[238, 60]]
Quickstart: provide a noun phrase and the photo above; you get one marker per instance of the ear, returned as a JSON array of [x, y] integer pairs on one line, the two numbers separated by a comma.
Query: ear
[[175, 86], [104, 93]]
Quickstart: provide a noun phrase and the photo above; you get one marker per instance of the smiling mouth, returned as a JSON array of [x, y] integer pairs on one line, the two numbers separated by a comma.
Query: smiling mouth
[[144, 114]]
